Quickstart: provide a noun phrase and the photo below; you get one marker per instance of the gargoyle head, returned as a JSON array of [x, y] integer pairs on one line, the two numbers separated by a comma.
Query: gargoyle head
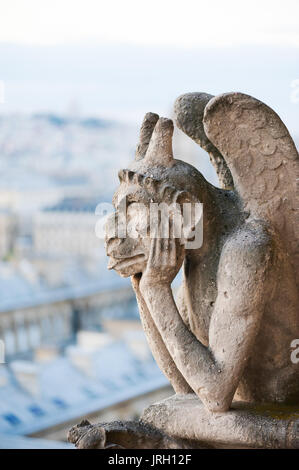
[[153, 183]]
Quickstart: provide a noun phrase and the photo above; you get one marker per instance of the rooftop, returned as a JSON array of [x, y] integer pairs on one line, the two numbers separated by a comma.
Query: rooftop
[[64, 391]]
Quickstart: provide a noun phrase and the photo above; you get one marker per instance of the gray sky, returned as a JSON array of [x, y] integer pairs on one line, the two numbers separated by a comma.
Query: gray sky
[[168, 22], [121, 59]]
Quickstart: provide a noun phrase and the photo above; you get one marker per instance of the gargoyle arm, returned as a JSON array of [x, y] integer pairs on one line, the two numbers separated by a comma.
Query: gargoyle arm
[[157, 346], [214, 372]]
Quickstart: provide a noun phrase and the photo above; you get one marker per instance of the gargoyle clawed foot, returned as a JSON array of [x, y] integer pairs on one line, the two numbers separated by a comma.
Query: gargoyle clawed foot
[[121, 435]]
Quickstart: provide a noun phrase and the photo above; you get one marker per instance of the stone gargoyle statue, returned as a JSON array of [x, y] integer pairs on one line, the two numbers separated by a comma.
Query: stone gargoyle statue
[[225, 343]]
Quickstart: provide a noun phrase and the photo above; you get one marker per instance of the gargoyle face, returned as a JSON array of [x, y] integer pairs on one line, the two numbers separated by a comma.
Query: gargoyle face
[[127, 236], [127, 232]]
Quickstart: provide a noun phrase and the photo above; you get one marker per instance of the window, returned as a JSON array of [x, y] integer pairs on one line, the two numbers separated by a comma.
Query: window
[[36, 410], [12, 419], [59, 402]]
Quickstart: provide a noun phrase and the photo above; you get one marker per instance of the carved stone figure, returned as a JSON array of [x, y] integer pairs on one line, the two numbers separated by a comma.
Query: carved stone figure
[[228, 335]]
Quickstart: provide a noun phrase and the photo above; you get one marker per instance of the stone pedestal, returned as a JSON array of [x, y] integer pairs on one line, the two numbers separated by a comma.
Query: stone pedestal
[[244, 426]]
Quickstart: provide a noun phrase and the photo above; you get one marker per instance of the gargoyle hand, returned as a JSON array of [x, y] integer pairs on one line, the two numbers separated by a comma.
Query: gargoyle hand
[[165, 260]]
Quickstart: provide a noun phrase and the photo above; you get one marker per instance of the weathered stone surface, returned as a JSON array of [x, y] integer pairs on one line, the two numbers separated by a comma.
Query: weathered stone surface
[[229, 334], [124, 435], [243, 426]]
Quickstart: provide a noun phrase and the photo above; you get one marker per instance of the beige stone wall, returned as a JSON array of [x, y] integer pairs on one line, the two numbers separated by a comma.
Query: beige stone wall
[[65, 233], [52, 322]]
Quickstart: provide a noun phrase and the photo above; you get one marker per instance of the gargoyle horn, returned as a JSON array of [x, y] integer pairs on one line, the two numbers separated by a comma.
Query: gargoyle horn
[[159, 151], [147, 128]]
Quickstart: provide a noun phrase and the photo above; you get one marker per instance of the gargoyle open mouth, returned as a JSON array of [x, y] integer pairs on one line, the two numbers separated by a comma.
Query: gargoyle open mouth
[[125, 262]]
